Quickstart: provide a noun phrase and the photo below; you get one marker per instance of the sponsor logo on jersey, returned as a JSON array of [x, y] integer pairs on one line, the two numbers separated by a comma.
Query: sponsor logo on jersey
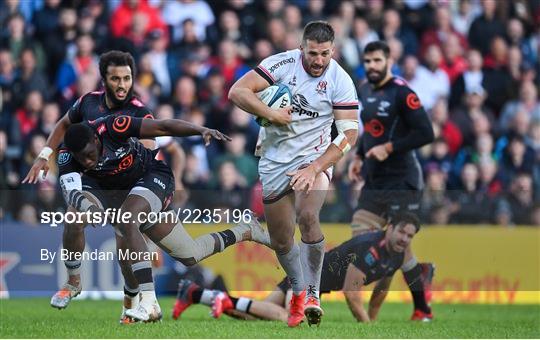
[[292, 82], [369, 259], [280, 63], [64, 158], [382, 109], [299, 104], [413, 102], [321, 87], [121, 124], [160, 183], [375, 128], [371, 99]]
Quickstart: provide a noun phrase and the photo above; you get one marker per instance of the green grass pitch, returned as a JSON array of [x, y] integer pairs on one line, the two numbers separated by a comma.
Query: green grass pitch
[[30, 318]]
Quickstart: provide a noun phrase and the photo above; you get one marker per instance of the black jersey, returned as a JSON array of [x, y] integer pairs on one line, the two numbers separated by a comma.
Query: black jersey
[[366, 252], [92, 106], [393, 113], [123, 160]]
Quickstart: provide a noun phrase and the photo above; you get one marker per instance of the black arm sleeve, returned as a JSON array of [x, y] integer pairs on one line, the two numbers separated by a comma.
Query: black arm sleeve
[[420, 131], [74, 113], [124, 127]]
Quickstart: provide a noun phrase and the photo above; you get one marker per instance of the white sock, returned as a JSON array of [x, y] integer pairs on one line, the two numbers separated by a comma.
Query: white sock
[[243, 304], [207, 297], [312, 256]]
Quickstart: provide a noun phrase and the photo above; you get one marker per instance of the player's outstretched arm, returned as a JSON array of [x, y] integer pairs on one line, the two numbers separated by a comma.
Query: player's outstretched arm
[[242, 94], [180, 128], [377, 297], [41, 161], [352, 288]]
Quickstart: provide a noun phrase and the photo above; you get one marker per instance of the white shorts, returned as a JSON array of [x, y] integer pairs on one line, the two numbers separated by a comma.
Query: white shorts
[[274, 177]]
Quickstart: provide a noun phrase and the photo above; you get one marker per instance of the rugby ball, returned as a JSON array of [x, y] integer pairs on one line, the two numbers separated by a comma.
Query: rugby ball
[[275, 96]]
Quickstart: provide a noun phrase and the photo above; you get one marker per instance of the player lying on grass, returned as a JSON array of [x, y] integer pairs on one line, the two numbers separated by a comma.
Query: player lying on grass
[[123, 174], [355, 263]]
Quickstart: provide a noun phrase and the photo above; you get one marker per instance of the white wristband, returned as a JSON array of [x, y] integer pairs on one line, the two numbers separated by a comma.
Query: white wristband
[[45, 153]]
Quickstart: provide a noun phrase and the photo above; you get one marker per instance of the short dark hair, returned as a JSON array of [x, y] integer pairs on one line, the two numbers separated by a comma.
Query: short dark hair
[[378, 45], [77, 136], [115, 58], [319, 31], [403, 218]]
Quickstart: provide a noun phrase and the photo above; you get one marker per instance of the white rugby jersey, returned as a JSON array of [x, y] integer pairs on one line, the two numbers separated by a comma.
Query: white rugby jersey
[[314, 99]]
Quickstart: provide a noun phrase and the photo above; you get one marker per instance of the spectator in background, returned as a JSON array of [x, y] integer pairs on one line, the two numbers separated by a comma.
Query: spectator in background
[[471, 205], [240, 121], [61, 42], [28, 79], [517, 158], [438, 157], [486, 27], [214, 101], [314, 11], [28, 116], [7, 78], [185, 96], [276, 33], [9, 177], [429, 82], [463, 17], [435, 196], [146, 84], [293, 19], [447, 129], [471, 78], [392, 28], [46, 20], [490, 182], [195, 144], [453, 62], [162, 63], [498, 80], [189, 40], [442, 31], [84, 61], [47, 120], [229, 63], [263, 49], [515, 34], [35, 145], [465, 115], [268, 10], [175, 12], [527, 102], [354, 46], [135, 15], [517, 206], [245, 163], [230, 29], [17, 40], [231, 190]]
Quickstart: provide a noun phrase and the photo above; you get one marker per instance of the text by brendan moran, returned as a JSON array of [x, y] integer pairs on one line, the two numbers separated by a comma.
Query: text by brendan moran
[[96, 255]]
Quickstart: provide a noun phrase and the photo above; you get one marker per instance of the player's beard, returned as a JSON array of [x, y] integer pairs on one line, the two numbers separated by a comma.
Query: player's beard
[[115, 101], [377, 76]]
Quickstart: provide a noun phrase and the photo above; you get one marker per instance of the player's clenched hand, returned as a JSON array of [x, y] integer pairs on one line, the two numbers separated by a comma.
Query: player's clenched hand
[[209, 134], [281, 116], [354, 170], [33, 174], [303, 179], [378, 152]]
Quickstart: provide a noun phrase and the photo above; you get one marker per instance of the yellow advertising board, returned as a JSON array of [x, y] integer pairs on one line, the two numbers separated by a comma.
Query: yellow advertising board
[[473, 264]]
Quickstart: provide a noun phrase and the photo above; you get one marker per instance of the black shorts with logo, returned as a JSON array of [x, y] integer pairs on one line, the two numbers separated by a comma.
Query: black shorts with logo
[[388, 198], [158, 179]]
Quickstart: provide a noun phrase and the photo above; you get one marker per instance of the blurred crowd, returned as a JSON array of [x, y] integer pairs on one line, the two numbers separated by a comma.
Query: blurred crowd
[[473, 63]]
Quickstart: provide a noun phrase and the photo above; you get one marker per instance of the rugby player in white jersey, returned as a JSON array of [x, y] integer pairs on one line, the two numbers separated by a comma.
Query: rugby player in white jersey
[[297, 153]]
